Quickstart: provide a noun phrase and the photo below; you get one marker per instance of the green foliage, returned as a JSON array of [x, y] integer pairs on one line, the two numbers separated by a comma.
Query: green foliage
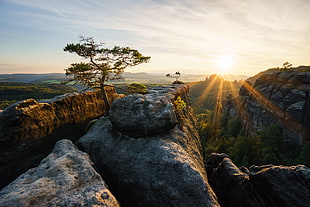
[[234, 126], [224, 144], [103, 64], [227, 135], [245, 151], [265, 148], [179, 103], [136, 88], [204, 94], [304, 156]]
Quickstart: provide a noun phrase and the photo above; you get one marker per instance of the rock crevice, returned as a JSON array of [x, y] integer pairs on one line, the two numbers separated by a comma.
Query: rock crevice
[[151, 164]]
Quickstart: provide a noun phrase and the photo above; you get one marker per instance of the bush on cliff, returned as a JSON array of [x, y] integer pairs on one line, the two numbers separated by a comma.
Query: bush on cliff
[[137, 88]]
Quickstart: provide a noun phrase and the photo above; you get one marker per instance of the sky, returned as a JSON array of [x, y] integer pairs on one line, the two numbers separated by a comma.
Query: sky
[[241, 37]]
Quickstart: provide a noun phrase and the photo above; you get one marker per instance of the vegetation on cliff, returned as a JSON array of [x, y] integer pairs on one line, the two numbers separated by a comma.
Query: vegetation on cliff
[[221, 132]]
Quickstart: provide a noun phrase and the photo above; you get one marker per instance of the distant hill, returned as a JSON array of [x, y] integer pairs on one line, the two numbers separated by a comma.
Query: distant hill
[[145, 78], [12, 92], [32, 78]]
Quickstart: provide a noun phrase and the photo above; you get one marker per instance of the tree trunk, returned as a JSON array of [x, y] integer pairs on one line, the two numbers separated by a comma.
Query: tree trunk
[[105, 100]]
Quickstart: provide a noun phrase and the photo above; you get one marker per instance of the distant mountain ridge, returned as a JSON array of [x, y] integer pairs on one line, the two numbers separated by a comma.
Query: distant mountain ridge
[[141, 77]]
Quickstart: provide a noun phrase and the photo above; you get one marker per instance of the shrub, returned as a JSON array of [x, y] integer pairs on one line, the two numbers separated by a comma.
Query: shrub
[[179, 103], [136, 88]]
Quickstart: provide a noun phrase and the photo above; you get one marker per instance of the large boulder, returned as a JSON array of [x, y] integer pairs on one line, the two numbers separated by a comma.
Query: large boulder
[[29, 129], [158, 169], [258, 186], [142, 115], [64, 178]]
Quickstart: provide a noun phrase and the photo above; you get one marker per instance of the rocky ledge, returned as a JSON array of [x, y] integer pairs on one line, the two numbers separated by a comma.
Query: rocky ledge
[[64, 178], [275, 97], [258, 186], [156, 160], [147, 164], [29, 129]]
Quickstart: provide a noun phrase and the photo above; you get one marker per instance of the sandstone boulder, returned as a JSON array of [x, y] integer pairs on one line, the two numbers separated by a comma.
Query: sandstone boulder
[[29, 129], [142, 115], [64, 178], [258, 186], [158, 169]]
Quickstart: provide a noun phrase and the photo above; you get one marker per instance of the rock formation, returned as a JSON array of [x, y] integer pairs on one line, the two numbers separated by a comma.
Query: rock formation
[[156, 160], [29, 129], [258, 186], [64, 178], [280, 98]]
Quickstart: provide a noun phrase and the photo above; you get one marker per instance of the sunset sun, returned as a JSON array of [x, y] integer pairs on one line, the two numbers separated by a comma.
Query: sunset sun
[[225, 63]]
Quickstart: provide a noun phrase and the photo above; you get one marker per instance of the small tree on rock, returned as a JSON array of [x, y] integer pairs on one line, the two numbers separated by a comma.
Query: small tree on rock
[[176, 75], [286, 65], [103, 64]]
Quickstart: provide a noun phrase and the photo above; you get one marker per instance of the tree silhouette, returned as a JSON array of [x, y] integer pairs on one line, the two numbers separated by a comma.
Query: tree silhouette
[[286, 65], [176, 75], [103, 64]]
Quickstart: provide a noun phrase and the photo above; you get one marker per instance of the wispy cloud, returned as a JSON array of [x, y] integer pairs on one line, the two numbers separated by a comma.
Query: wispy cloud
[[186, 31]]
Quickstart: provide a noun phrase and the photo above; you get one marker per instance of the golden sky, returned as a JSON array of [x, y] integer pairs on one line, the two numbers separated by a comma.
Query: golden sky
[[198, 36]]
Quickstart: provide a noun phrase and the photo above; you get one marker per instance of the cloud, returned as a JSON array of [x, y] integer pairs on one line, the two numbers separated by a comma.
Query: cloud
[[186, 30]]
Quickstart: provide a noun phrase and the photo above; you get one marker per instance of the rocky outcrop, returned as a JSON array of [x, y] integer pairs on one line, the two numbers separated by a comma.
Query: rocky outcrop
[[64, 178], [140, 115], [258, 186], [29, 129], [150, 163], [280, 98]]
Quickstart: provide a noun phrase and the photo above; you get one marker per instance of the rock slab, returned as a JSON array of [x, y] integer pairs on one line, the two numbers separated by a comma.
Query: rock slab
[[151, 169], [64, 178], [258, 186], [29, 129]]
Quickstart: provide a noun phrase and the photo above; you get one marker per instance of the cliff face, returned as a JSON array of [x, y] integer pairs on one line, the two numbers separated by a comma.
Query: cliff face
[[29, 129], [258, 186], [277, 98], [156, 160]]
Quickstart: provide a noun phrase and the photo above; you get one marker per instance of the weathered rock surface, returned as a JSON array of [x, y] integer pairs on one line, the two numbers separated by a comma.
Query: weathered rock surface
[[142, 115], [149, 168], [277, 98], [29, 129], [258, 186], [64, 178]]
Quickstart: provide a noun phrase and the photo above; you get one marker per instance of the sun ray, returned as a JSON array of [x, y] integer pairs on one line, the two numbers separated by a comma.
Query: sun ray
[[218, 106], [204, 94], [286, 119]]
